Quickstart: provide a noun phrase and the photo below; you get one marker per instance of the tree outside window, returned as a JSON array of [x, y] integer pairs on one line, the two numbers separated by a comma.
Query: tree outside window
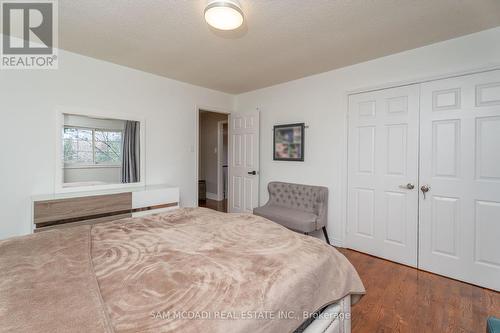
[[92, 146]]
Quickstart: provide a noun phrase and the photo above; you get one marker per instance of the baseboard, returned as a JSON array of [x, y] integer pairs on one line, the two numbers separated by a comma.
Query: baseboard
[[337, 242], [334, 241], [212, 196]]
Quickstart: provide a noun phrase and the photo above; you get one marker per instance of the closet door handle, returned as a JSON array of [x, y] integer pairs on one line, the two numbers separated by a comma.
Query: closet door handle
[[252, 172], [425, 189]]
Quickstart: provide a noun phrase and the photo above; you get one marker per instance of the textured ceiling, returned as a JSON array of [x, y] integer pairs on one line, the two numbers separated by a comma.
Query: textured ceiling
[[281, 40]]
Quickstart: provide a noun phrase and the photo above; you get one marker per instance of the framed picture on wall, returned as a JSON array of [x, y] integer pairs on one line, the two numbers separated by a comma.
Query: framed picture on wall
[[288, 142]]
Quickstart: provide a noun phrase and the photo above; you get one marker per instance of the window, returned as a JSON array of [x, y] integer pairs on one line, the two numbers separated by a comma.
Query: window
[[92, 146]]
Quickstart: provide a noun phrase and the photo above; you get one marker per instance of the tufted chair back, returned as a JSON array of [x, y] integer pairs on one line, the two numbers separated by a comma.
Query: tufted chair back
[[312, 199]]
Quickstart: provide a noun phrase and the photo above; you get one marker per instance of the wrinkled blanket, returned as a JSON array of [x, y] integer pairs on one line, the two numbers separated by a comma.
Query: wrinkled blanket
[[190, 270]]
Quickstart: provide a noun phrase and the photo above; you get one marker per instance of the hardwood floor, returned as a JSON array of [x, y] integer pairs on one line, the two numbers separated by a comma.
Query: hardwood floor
[[220, 206], [404, 299]]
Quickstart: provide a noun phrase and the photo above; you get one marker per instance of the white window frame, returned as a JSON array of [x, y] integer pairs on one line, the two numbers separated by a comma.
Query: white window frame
[[93, 164], [59, 156]]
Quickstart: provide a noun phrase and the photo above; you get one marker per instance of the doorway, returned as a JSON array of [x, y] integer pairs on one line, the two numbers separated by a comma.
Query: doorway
[[212, 160]]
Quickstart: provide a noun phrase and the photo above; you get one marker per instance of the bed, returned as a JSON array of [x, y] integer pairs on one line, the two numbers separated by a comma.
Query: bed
[[189, 270]]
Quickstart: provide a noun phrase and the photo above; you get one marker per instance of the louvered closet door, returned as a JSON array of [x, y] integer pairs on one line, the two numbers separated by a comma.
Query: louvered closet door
[[460, 162], [382, 168]]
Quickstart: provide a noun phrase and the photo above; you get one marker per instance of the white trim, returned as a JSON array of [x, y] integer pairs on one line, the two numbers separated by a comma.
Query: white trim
[[344, 184], [424, 79], [337, 242], [212, 196], [196, 148], [59, 165], [220, 162], [99, 128], [93, 166]]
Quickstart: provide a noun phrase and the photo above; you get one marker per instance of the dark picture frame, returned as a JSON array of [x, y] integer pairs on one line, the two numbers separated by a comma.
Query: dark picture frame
[[288, 142]]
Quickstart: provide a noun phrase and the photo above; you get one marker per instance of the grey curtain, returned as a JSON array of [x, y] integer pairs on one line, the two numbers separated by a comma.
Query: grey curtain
[[131, 153]]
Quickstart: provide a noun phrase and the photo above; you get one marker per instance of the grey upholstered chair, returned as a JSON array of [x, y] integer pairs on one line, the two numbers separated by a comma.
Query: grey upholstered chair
[[302, 208]]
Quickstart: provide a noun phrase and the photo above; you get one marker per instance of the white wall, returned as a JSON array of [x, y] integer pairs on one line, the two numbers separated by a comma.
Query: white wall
[[92, 174], [28, 118], [29, 99], [320, 101]]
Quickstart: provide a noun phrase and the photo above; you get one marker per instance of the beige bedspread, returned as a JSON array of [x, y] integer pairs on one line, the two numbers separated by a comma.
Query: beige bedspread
[[191, 270]]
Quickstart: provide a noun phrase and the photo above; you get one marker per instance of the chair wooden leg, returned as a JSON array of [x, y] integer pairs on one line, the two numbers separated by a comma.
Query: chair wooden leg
[[326, 236]]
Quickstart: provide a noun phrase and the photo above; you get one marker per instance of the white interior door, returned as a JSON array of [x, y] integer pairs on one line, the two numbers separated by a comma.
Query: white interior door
[[460, 162], [382, 164], [243, 155]]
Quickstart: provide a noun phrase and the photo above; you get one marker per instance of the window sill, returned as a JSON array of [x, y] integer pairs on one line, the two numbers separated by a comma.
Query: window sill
[[93, 166]]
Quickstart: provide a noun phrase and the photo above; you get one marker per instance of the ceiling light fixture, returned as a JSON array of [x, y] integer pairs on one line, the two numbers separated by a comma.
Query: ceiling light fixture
[[224, 14]]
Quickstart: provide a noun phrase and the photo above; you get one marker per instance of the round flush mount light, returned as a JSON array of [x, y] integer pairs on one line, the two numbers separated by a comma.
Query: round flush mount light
[[224, 14]]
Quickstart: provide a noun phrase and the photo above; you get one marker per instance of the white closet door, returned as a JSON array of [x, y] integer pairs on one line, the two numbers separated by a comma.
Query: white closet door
[[243, 158], [383, 163], [460, 162]]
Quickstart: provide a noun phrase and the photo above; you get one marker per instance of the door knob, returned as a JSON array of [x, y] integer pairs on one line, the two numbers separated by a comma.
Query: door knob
[[252, 172], [410, 186], [425, 189]]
